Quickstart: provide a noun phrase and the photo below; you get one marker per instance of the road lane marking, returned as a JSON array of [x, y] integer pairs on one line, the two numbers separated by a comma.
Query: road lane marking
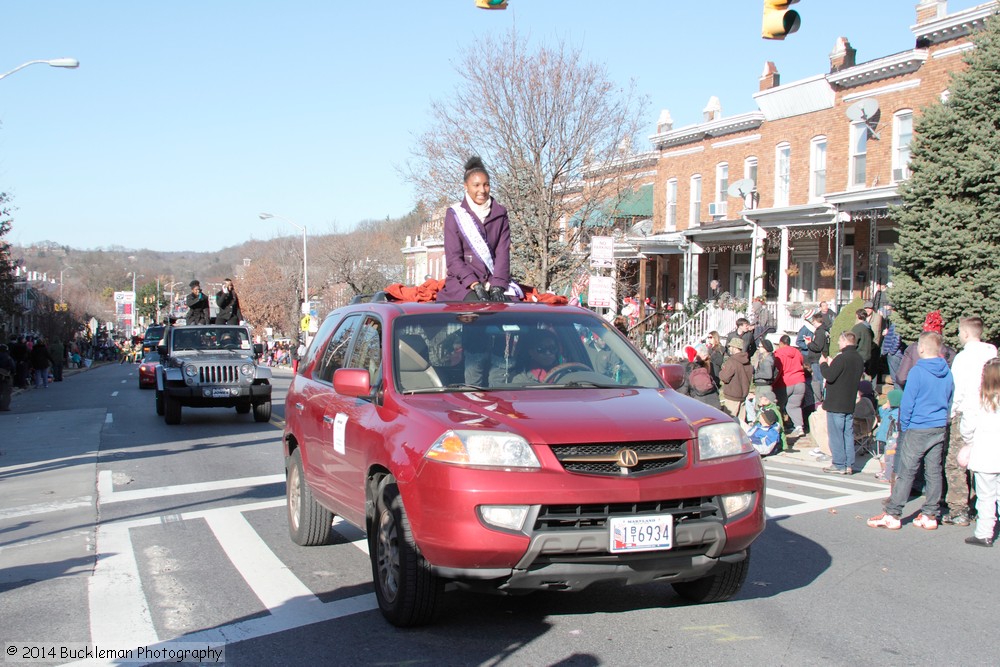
[[811, 485], [107, 493], [45, 508], [108, 419], [788, 495], [113, 394], [829, 503], [119, 612]]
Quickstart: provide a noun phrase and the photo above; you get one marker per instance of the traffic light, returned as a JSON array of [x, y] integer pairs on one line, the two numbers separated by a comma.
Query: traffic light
[[778, 19], [491, 4]]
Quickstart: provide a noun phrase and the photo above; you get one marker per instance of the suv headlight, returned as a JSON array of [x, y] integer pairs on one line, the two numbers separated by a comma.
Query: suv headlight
[[493, 449], [190, 370], [246, 369], [717, 440]]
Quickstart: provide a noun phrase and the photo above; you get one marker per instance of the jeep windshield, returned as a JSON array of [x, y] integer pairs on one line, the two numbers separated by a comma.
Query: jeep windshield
[[538, 350], [210, 339]]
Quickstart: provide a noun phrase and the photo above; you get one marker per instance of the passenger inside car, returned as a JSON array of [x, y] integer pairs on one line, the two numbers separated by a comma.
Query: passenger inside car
[[537, 354]]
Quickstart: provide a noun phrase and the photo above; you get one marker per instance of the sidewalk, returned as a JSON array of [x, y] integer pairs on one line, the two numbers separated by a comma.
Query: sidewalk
[[801, 455]]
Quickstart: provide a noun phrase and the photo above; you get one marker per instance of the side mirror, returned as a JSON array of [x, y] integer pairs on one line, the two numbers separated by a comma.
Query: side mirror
[[672, 374], [258, 349], [161, 349], [354, 382]]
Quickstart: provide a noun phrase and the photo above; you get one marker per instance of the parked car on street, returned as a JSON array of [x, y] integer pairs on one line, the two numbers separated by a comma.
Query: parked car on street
[[147, 370], [513, 448], [209, 366]]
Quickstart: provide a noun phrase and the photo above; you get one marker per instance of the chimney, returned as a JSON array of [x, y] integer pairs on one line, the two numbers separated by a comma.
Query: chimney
[[712, 110], [665, 122], [769, 78], [842, 56], [929, 10]]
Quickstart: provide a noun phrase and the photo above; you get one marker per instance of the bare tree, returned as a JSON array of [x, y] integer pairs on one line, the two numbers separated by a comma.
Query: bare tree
[[264, 295], [552, 129]]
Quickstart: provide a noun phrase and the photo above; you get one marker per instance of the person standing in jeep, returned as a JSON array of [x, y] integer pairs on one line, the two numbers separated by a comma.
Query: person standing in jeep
[[197, 304], [229, 304]]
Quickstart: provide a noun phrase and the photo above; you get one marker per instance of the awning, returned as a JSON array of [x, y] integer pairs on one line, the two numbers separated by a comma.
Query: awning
[[632, 204]]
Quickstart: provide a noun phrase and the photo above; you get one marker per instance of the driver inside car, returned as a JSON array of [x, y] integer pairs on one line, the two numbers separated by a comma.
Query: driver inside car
[[538, 353]]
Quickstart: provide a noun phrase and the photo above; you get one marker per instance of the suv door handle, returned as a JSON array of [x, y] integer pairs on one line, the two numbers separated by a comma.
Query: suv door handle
[[327, 419], [299, 407]]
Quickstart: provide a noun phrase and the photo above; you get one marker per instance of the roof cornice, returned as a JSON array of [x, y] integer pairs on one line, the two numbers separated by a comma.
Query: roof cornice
[[713, 128], [897, 64], [954, 25]]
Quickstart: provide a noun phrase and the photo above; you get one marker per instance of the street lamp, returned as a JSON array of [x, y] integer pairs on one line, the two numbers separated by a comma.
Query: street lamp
[[133, 320], [70, 63], [61, 271], [305, 261]]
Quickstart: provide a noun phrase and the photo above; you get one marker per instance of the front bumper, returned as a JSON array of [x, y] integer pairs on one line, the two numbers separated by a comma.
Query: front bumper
[[206, 396], [564, 543]]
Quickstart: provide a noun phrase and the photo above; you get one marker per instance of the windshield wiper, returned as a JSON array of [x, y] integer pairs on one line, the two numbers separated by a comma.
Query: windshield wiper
[[587, 383], [451, 387]]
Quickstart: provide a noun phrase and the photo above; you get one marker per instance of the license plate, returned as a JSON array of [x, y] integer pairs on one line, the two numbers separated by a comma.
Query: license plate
[[642, 533], [220, 393]]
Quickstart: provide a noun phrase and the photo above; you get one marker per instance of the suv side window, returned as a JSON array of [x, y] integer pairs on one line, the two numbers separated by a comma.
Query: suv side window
[[335, 353], [368, 350]]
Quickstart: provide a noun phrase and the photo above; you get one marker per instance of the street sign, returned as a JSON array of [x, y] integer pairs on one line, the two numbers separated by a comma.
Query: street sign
[[601, 292], [602, 252], [304, 323]]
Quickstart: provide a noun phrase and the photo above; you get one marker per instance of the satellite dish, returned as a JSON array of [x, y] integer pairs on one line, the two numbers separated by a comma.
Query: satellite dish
[[641, 228], [741, 188], [865, 111]]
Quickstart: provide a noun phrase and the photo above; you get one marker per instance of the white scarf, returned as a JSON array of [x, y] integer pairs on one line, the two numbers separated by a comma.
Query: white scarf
[[481, 211]]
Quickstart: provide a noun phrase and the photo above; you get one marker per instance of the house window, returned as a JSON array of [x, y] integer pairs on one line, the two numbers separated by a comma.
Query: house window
[[902, 135], [817, 168], [739, 276], [859, 153], [694, 215], [847, 274], [721, 186], [672, 205], [750, 169], [782, 173], [802, 286]]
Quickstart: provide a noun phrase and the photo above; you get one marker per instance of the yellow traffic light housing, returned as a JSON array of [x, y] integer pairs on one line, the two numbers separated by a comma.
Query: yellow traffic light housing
[[779, 21], [491, 4]]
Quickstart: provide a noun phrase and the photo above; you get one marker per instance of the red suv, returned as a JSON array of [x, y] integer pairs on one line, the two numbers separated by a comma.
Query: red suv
[[511, 448]]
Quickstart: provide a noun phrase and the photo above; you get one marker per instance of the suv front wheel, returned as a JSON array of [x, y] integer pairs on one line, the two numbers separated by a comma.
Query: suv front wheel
[[724, 582], [407, 590]]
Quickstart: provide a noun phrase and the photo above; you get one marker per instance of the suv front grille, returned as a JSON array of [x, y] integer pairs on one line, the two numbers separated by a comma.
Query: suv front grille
[[602, 458], [575, 517], [219, 374]]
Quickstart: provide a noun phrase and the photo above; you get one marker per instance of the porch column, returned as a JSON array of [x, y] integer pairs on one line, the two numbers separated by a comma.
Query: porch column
[[783, 317], [757, 238], [692, 271]]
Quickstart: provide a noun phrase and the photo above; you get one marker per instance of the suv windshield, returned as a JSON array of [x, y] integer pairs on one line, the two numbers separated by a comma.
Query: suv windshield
[[511, 350], [210, 338], [153, 334]]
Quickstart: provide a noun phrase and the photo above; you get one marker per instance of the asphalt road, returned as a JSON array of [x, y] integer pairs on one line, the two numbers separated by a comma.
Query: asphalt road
[[121, 531]]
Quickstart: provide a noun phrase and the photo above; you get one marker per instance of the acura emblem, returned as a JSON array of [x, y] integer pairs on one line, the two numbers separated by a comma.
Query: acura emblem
[[628, 458]]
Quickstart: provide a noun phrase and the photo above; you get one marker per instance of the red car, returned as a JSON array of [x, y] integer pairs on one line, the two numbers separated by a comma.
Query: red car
[[147, 370], [512, 448]]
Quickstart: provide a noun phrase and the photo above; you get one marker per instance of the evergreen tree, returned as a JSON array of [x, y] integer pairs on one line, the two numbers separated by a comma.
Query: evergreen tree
[[8, 295], [948, 255]]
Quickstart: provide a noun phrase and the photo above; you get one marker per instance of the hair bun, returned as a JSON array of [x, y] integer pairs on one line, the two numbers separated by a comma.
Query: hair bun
[[474, 162]]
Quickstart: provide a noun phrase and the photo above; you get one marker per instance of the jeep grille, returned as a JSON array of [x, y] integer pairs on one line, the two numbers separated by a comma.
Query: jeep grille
[[219, 374]]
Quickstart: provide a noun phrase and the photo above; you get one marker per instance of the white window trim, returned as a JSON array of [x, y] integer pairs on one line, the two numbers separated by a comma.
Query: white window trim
[[896, 164], [782, 181], [813, 167], [694, 209], [671, 220], [852, 156]]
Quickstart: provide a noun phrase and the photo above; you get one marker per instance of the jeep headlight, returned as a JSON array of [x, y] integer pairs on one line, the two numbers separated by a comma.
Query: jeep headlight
[[246, 369], [494, 449], [190, 370], [717, 440]]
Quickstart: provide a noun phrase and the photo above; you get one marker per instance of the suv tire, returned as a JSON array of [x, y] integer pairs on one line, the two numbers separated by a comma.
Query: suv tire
[[407, 590], [724, 582], [309, 523], [159, 402], [262, 412], [171, 410]]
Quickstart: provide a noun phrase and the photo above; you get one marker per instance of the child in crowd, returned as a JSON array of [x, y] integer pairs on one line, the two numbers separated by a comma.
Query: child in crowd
[[887, 435], [765, 435], [980, 425]]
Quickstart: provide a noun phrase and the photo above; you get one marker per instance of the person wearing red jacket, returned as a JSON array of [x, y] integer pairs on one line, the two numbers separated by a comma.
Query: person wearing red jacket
[[790, 385]]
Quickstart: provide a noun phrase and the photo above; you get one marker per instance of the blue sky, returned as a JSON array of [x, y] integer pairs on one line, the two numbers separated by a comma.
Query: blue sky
[[186, 119]]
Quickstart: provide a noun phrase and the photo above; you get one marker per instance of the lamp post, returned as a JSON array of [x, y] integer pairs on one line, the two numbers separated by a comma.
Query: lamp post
[[133, 320], [305, 261], [61, 271], [70, 63]]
